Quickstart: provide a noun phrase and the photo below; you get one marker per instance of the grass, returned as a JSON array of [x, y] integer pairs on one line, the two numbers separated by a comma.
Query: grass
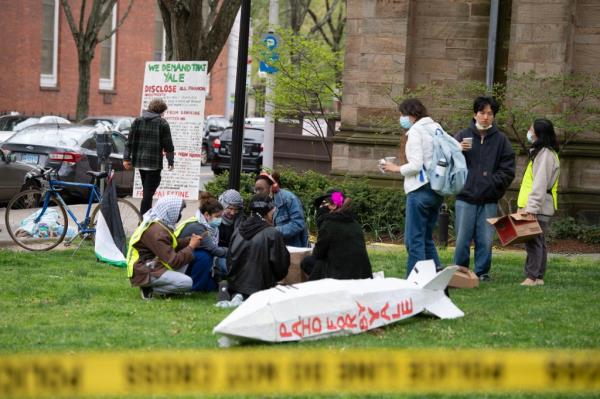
[[54, 302]]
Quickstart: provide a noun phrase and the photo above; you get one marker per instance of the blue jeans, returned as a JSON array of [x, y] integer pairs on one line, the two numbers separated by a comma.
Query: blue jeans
[[470, 225], [422, 209], [200, 270]]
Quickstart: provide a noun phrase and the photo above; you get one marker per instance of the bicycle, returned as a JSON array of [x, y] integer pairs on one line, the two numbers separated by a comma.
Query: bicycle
[[36, 219]]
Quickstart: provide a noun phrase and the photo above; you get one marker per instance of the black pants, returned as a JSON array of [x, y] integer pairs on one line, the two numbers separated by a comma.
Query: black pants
[[150, 182], [537, 253]]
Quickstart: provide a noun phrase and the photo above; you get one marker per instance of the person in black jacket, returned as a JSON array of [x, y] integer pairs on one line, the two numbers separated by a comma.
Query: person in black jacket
[[257, 256], [491, 165], [340, 251]]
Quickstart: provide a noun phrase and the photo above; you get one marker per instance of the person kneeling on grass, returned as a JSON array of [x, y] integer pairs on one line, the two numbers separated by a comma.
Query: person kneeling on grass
[[156, 259], [257, 255], [206, 224]]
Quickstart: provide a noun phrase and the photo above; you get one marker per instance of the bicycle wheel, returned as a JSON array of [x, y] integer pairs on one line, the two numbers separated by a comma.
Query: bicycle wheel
[[130, 217], [47, 233]]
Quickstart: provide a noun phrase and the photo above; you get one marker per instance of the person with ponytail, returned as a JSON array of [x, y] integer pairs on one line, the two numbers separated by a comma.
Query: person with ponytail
[[340, 251], [538, 195]]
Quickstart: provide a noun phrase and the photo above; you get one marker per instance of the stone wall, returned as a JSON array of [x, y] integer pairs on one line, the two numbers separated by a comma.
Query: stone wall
[[397, 44]]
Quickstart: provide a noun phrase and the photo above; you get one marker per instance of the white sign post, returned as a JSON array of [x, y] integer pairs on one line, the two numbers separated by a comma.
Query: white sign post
[[182, 85]]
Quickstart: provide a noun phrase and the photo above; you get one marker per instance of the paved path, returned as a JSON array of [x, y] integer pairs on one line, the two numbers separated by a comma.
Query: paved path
[[79, 211]]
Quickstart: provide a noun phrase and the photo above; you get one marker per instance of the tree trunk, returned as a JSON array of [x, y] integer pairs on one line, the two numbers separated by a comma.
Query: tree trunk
[[83, 92]]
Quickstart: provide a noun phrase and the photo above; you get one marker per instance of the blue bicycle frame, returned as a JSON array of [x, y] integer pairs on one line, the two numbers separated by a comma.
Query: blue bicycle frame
[[94, 195]]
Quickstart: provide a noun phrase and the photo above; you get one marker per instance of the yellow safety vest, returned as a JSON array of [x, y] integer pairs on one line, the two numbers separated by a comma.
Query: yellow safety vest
[[527, 186], [132, 252], [183, 224]]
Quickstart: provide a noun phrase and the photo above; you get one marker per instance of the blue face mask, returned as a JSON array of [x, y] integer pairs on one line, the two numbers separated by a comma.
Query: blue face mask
[[216, 222], [530, 136], [405, 122]]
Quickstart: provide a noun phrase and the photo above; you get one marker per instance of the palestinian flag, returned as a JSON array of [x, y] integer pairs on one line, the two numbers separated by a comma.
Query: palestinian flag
[[110, 235]]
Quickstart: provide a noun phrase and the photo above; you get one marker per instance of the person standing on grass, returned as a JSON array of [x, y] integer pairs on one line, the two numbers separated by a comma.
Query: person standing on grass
[[149, 138], [422, 203], [156, 259], [538, 195], [491, 169]]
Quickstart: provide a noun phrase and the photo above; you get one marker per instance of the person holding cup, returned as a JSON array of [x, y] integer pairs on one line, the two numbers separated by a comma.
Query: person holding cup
[[422, 203], [491, 165]]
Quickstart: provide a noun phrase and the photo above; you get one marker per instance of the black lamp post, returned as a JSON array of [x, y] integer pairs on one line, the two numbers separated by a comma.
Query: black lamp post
[[239, 106]]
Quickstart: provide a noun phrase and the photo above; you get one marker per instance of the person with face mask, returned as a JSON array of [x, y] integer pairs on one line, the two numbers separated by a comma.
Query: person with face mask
[[289, 214], [491, 169], [205, 223], [538, 195], [422, 203], [340, 251], [257, 256], [233, 215], [156, 259]]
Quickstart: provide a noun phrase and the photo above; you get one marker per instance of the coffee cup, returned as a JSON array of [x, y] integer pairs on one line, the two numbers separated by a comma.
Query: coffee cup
[[469, 143]]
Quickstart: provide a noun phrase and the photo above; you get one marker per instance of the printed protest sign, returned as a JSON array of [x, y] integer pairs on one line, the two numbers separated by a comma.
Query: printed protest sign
[[182, 85]]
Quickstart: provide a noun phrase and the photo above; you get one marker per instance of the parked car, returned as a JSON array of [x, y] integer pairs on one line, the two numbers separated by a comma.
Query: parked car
[[9, 124], [258, 123], [14, 177], [121, 124], [213, 127], [252, 152], [71, 150]]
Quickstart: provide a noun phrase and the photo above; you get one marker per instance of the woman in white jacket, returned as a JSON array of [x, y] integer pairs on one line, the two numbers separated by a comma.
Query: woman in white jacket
[[538, 194], [422, 203]]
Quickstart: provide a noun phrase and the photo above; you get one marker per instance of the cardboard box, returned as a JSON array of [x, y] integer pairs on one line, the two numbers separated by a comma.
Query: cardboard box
[[515, 228], [464, 278], [295, 274]]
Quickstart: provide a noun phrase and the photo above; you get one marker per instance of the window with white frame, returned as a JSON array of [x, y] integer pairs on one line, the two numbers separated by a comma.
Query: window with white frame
[[49, 61], [108, 51], [159, 35]]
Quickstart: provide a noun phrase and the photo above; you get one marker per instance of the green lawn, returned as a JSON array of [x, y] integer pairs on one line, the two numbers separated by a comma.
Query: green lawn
[[56, 302]]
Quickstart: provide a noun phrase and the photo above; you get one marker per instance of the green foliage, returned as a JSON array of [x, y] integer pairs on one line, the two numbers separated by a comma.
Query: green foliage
[[569, 228], [307, 80], [571, 102], [379, 210]]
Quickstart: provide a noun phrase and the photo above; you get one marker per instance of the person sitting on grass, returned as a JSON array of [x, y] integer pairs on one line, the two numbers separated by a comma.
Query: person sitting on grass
[[156, 259], [257, 255], [205, 223], [340, 251]]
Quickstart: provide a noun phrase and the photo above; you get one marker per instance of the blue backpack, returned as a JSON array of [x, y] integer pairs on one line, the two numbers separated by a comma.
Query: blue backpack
[[447, 172]]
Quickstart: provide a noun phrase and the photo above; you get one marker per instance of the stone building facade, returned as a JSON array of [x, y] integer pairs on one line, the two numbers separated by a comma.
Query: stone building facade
[[398, 44]]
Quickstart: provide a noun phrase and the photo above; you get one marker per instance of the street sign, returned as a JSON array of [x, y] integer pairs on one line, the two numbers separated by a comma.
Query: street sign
[[272, 42]]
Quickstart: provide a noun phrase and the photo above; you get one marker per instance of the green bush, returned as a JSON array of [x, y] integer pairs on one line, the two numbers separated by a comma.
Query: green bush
[[379, 210], [568, 228]]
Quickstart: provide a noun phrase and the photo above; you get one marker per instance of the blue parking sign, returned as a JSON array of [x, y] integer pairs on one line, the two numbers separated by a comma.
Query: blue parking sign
[[272, 42]]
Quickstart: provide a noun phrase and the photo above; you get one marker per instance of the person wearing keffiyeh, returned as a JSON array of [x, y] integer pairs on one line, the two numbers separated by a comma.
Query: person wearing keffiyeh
[[156, 259]]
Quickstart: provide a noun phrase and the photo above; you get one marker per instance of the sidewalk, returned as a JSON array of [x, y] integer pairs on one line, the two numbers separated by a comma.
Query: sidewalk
[[79, 211]]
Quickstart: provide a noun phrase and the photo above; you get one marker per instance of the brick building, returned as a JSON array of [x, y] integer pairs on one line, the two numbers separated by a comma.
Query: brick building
[[39, 60], [395, 44]]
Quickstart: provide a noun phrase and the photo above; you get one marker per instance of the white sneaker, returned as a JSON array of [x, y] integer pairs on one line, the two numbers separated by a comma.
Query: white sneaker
[[236, 301]]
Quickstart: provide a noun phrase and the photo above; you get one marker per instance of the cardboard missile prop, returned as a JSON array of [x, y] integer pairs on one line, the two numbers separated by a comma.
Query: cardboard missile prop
[[324, 308]]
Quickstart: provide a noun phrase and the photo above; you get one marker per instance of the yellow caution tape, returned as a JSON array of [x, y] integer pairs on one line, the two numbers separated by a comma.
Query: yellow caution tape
[[287, 371]]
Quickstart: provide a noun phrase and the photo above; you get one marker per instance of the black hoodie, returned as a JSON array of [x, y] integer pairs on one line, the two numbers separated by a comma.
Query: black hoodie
[[257, 257], [491, 165]]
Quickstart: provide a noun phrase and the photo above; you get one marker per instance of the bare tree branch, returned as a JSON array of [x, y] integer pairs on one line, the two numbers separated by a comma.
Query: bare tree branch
[[119, 23]]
